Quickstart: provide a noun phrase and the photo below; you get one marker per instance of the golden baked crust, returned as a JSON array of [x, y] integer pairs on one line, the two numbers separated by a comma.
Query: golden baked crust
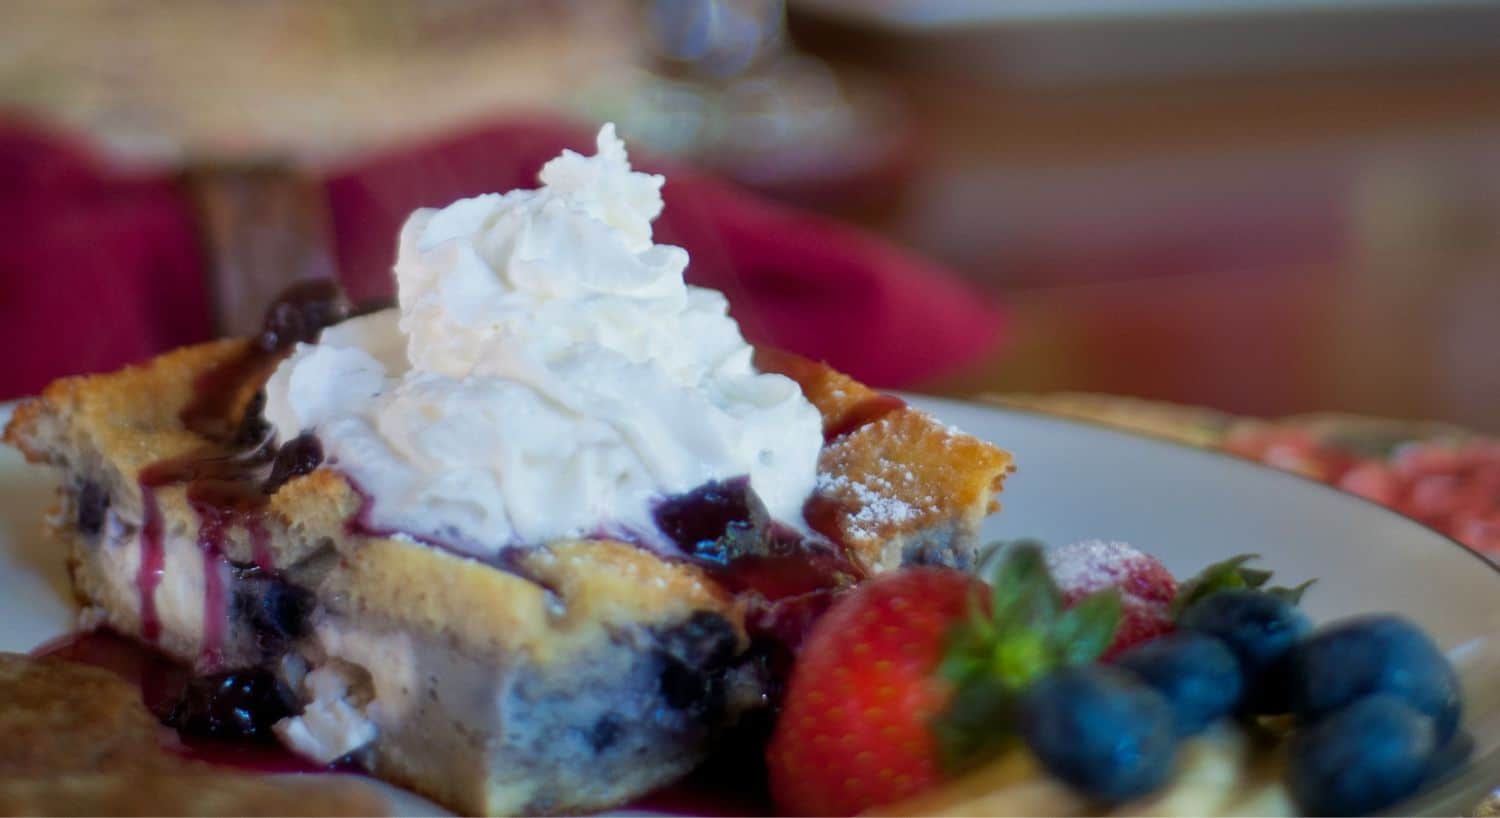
[[894, 478], [905, 475], [62, 717], [129, 416], [189, 793], [835, 394]]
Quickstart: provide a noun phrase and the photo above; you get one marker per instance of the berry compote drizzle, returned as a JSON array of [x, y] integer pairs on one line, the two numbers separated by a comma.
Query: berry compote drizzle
[[230, 479]]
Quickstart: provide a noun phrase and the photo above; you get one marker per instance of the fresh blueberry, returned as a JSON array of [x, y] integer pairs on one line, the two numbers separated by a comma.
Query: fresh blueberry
[[1260, 629], [1100, 731], [1197, 674], [1375, 654], [1362, 758]]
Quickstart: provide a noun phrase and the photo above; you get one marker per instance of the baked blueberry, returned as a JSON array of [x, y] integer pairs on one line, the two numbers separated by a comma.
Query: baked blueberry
[[240, 704], [92, 504], [694, 657]]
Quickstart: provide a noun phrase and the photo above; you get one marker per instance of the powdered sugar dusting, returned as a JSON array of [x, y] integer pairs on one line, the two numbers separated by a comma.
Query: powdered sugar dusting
[[1093, 565], [878, 501]]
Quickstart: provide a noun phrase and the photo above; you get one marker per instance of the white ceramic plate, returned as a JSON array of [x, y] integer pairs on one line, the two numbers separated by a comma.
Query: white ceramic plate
[[1188, 506]]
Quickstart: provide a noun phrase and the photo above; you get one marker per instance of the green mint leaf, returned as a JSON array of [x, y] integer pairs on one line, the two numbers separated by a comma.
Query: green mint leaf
[[1085, 631], [1292, 595], [1254, 577], [1020, 657], [1024, 590], [976, 725], [1220, 576], [969, 643], [988, 554], [1232, 573]]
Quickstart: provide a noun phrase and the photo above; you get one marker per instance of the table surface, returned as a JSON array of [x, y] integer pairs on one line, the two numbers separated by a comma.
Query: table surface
[[1313, 240]]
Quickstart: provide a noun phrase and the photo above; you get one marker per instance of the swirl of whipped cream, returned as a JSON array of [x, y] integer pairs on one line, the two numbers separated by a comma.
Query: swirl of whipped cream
[[547, 374]]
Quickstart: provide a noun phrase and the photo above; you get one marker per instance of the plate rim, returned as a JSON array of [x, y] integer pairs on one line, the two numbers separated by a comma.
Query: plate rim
[[1212, 452]]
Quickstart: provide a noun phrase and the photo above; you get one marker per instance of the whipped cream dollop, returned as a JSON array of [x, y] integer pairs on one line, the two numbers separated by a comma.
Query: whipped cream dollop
[[547, 375]]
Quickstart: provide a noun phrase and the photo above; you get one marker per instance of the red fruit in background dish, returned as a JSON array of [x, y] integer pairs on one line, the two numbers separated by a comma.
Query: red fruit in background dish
[[1294, 450], [1146, 587], [855, 730], [1373, 481], [1453, 488]]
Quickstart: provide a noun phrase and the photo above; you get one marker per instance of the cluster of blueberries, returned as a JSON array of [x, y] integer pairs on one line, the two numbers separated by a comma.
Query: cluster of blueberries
[[1375, 705]]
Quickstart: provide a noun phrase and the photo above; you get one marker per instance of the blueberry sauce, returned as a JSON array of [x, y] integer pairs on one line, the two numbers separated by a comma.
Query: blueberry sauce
[[215, 613], [787, 580], [228, 481], [236, 705], [724, 528], [153, 559], [163, 684], [298, 456], [298, 315], [224, 491]]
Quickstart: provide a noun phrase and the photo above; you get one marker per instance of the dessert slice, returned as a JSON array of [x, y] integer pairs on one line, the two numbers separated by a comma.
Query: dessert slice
[[567, 678], [527, 544]]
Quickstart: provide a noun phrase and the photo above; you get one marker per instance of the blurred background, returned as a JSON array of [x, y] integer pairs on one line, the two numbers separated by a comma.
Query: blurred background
[[1260, 206]]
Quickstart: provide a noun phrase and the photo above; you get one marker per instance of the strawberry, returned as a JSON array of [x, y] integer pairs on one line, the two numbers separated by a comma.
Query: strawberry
[[1139, 623], [854, 730], [1146, 587], [912, 674]]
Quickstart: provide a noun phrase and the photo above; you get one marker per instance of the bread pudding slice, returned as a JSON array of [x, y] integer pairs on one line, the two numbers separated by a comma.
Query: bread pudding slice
[[565, 678]]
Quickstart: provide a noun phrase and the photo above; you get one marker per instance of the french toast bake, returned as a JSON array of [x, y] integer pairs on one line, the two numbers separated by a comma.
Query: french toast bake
[[565, 674]]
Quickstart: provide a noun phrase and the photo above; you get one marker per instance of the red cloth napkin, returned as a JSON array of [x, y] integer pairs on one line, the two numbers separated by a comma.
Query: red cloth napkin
[[101, 268], [97, 268]]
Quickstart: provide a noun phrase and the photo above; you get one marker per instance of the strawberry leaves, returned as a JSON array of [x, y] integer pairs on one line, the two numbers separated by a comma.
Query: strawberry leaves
[[1233, 573], [1023, 633]]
